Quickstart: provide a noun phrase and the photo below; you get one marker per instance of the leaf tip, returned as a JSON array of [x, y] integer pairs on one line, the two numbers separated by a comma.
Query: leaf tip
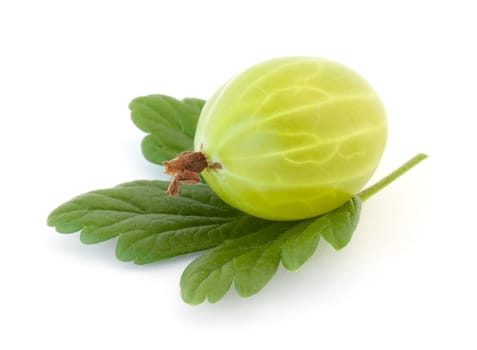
[[191, 298], [134, 102], [50, 220]]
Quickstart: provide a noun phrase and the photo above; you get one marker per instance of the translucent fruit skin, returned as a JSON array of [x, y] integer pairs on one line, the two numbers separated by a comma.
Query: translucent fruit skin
[[296, 137]]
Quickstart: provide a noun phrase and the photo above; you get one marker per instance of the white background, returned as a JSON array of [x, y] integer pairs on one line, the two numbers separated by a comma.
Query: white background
[[68, 70]]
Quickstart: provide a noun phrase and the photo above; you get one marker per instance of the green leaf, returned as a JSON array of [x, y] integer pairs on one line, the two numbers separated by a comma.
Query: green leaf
[[151, 225], [252, 260], [170, 124]]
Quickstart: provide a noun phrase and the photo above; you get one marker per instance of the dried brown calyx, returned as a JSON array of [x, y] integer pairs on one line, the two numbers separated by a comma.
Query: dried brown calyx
[[186, 168]]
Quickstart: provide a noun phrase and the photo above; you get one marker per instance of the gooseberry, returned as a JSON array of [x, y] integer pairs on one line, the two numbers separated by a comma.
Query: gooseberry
[[291, 138]]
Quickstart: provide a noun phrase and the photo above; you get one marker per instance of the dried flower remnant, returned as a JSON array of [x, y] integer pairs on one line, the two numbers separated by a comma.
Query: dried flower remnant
[[186, 168]]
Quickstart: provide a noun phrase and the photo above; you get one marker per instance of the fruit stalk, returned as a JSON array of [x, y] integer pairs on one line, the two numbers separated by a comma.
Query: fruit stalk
[[378, 186]]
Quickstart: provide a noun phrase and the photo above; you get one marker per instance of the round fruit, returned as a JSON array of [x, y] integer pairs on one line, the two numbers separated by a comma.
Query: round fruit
[[291, 138]]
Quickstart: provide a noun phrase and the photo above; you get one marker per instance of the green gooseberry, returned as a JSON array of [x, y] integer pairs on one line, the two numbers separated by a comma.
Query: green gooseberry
[[291, 138]]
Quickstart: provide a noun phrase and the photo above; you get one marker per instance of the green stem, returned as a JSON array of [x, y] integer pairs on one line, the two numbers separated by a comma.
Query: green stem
[[370, 191]]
